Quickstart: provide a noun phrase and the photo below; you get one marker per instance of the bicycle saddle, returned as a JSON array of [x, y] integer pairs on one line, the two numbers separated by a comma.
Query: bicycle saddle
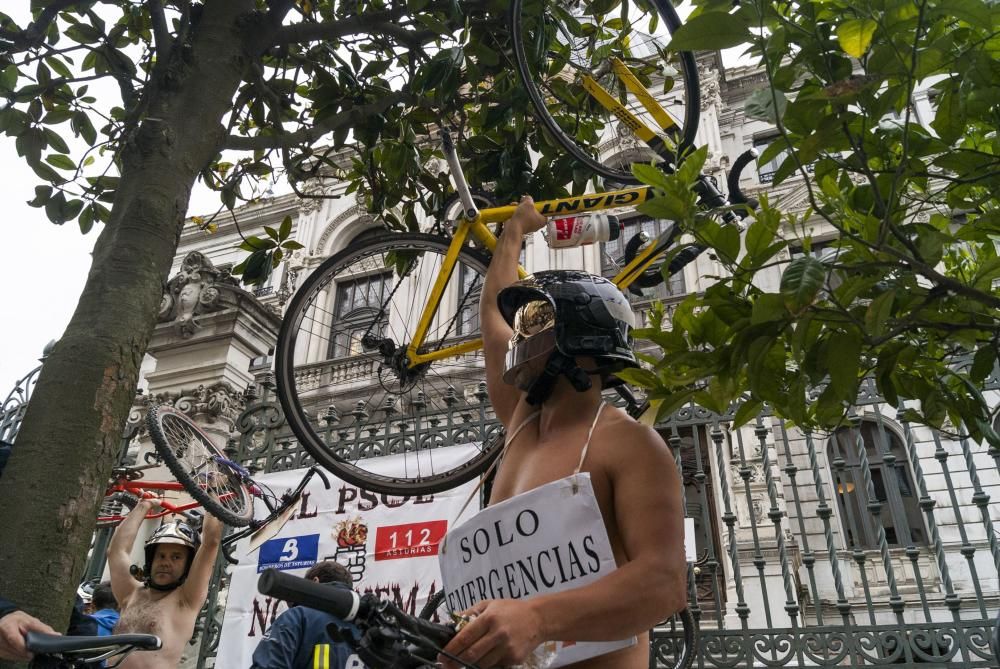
[[51, 644]]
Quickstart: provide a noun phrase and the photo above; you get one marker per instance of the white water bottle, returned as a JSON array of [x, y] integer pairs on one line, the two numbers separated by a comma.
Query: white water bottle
[[569, 231]]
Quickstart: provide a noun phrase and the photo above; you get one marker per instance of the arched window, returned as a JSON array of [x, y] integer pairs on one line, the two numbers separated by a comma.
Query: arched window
[[900, 514], [357, 300]]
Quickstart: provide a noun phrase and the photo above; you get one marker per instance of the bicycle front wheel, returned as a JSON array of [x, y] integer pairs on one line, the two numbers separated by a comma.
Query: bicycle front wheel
[[200, 467], [562, 47], [345, 382]]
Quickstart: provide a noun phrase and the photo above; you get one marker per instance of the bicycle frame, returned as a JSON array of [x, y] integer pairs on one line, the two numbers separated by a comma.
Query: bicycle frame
[[474, 221], [142, 491], [477, 230]]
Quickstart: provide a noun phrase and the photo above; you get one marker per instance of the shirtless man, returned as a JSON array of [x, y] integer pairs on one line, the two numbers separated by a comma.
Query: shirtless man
[[635, 480], [177, 574]]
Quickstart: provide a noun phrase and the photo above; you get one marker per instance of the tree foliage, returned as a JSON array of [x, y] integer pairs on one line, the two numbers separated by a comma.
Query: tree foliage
[[906, 293], [121, 106]]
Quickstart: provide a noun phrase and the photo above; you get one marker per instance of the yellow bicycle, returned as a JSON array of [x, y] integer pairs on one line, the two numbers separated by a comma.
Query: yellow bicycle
[[383, 337]]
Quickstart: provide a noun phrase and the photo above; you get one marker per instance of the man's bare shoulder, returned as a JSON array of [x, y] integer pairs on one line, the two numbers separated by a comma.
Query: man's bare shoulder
[[621, 431]]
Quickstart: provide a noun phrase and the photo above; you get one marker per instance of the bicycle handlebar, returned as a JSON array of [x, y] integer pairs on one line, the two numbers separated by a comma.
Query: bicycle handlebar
[[340, 602], [390, 638]]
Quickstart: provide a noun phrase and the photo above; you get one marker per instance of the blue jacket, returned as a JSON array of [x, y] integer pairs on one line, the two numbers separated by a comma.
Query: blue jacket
[[298, 640], [106, 621]]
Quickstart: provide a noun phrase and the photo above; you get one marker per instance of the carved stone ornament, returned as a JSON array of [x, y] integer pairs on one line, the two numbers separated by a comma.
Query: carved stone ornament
[[315, 192], [219, 400], [198, 288], [711, 93]]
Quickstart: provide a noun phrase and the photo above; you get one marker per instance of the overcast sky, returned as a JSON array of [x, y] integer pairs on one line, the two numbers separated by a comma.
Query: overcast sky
[[44, 266], [42, 269]]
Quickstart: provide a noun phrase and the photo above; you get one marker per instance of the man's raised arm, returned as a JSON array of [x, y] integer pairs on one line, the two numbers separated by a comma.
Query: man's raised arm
[[120, 552], [195, 587], [496, 333]]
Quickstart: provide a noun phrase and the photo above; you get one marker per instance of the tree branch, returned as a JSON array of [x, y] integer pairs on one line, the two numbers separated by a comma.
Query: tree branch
[[33, 34], [297, 33], [161, 34], [349, 116]]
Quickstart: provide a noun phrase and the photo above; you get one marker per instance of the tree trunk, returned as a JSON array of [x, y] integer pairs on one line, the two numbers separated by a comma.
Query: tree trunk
[[61, 463]]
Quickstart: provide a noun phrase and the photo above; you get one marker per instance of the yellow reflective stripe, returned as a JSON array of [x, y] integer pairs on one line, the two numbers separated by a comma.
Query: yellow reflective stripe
[[321, 656]]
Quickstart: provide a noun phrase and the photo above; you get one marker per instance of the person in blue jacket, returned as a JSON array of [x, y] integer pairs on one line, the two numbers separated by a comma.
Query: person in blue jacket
[[105, 609], [298, 639]]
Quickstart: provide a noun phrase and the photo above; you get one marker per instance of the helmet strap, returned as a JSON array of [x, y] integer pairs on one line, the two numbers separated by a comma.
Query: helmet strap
[[558, 363]]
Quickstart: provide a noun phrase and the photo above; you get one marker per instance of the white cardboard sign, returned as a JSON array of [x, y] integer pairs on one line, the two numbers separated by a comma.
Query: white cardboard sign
[[546, 540]]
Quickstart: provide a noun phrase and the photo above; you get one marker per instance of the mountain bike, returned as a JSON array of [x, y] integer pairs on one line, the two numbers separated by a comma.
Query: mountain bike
[[391, 320], [54, 651], [204, 479], [389, 638]]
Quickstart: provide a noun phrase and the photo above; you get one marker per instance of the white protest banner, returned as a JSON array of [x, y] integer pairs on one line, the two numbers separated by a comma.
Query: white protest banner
[[545, 540], [389, 544]]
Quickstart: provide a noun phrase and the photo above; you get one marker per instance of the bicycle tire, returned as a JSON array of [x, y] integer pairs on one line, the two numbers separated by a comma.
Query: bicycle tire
[[544, 51], [325, 331], [691, 632], [190, 455], [114, 508]]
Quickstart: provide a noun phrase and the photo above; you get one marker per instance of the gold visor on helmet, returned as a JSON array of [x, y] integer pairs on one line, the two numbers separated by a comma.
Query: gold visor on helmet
[[534, 339]]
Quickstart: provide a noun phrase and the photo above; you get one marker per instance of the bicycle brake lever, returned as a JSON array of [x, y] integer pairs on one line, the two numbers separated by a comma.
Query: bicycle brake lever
[[322, 476]]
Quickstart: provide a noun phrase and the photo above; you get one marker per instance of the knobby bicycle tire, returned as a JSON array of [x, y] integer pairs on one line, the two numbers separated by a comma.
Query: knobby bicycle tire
[[545, 35], [190, 454], [341, 376], [115, 507]]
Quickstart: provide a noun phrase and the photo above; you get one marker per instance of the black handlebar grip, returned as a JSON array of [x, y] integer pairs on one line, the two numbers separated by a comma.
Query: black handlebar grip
[[337, 601]]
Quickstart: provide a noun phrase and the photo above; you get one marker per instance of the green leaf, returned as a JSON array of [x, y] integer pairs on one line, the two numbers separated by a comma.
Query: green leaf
[[272, 233], [285, 228], [748, 411], [86, 220], [650, 174], [843, 359], [801, 282], [638, 376], [767, 308], [254, 243], [42, 195], [878, 313], [292, 245], [60, 161], [8, 78], [766, 104], [855, 36], [711, 31], [982, 363]]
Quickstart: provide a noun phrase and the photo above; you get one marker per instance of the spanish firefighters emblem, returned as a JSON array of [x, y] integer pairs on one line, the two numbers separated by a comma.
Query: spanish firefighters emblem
[[352, 537]]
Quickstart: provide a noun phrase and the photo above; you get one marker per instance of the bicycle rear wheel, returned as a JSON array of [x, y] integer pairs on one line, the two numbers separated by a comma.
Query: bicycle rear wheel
[[200, 467], [343, 377], [558, 44], [114, 508]]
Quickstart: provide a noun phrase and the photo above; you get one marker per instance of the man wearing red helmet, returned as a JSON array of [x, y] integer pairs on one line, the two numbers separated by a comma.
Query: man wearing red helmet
[[552, 342], [176, 576]]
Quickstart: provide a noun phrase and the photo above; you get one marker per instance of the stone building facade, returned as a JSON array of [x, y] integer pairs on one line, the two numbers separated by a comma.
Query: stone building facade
[[874, 545]]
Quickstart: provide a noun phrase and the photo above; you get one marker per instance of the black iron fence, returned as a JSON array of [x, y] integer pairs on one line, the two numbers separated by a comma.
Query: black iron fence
[[870, 546], [874, 545]]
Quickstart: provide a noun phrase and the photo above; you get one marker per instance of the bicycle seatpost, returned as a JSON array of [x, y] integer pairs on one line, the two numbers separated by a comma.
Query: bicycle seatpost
[[469, 208]]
